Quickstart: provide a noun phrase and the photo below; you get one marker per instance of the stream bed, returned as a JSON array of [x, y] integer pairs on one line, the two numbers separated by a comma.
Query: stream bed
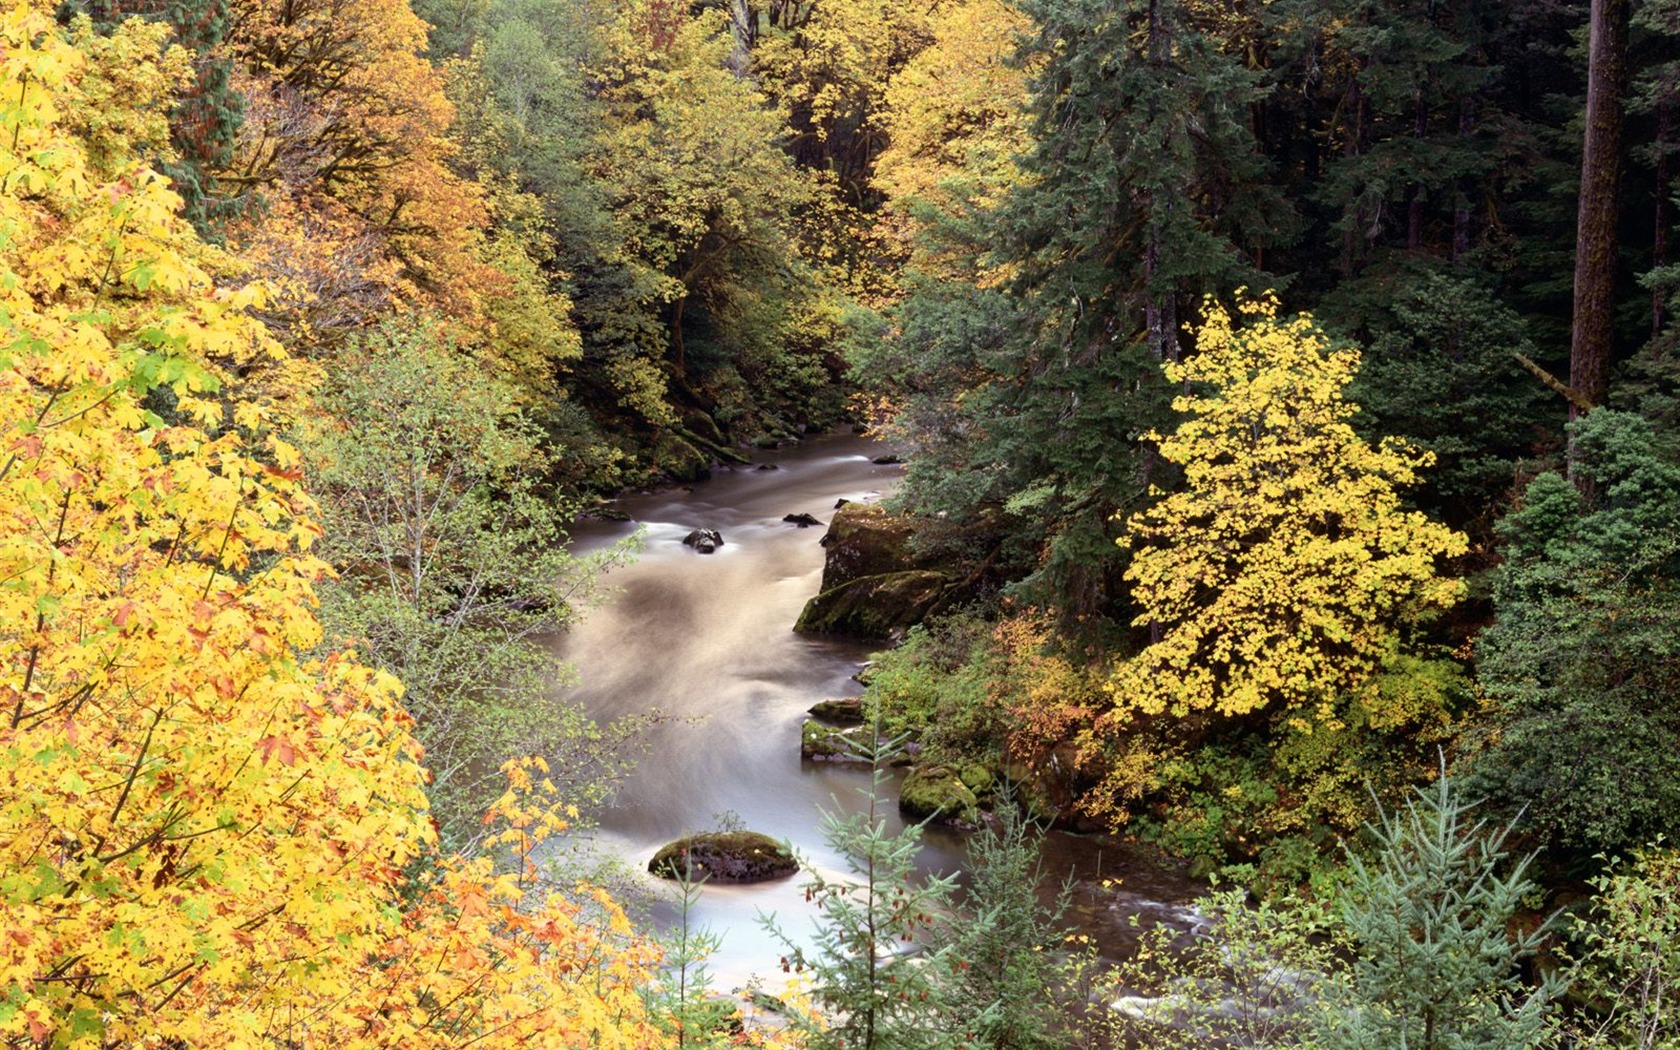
[[707, 639]]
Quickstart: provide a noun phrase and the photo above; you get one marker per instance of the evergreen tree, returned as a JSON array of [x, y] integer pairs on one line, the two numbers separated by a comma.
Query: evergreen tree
[[879, 982], [1436, 967], [1585, 735], [1003, 939]]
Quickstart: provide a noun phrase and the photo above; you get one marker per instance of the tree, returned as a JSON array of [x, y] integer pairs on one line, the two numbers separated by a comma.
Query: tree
[[879, 991], [1628, 963], [206, 832], [1595, 233], [1004, 940], [955, 119], [1281, 575], [345, 137], [453, 569], [1583, 737], [1436, 966]]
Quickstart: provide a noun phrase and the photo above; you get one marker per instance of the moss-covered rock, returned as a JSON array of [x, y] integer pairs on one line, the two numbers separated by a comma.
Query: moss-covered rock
[[680, 460], [875, 606], [825, 743], [846, 711], [725, 856], [937, 793], [864, 540], [978, 779]]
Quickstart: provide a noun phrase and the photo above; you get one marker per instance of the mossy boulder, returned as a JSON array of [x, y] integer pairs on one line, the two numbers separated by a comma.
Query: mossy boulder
[[937, 793], [978, 779], [725, 857], [874, 607], [825, 743], [864, 540], [680, 460], [846, 711]]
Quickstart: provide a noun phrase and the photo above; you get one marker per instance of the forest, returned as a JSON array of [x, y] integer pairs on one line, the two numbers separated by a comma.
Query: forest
[[1288, 396]]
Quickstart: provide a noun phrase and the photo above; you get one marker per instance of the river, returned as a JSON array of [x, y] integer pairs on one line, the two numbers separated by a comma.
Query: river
[[708, 640]]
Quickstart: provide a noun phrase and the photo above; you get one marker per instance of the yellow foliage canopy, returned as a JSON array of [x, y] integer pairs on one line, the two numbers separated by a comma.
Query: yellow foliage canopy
[[1279, 575], [202, 835], [956, 119]]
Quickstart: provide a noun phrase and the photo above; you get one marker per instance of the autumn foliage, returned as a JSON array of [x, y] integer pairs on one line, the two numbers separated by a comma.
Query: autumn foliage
[[1280, 575], [203, 834]]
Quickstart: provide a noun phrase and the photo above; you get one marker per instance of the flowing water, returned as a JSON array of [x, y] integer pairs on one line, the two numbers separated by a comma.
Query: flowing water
[[708, 640]]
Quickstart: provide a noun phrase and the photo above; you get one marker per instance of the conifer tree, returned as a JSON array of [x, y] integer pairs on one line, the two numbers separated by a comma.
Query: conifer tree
[[878, 983], [1436, 967]]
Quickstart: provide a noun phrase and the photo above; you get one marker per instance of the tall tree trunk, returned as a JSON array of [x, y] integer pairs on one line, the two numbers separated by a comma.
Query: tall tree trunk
[[1461, 206], [1414, 191], [1595, 230], [1353, 146], [1659, 230]]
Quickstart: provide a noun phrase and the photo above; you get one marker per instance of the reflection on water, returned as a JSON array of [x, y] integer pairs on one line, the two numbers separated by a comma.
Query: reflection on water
[[708, 639]]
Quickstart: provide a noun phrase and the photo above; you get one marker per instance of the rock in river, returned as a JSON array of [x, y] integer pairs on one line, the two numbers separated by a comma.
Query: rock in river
[[804, 521], [937, 793], [846, 711], [704, 540], [725, 857], [875, 606]]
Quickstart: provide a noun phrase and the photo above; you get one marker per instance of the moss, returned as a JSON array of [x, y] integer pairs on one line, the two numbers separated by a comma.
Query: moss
[[681, 460], [875, 606], [978, 779], [725, 856], [938, 793], [826, 743]]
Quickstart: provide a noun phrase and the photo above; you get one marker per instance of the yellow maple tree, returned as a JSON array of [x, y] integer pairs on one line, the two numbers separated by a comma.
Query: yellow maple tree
[[956, 119], [1279, 576], [205, 838]]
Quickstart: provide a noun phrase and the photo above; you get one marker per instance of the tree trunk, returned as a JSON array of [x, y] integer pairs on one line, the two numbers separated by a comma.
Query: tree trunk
[[1461, 206], [1659, 231], [1414, 191], [1595, 231]]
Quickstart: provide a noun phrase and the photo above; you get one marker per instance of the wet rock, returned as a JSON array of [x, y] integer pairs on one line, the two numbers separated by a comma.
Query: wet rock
[[826, 743], [846, 711], [704, 540], [804, 521], [887, 460], [864, 540], [725, 857], [841, 502], [874, 607], [938, 794], [768, 466]]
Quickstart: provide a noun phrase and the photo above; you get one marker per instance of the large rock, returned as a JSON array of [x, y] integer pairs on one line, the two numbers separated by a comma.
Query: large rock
[[724, 856], [875, 607], [938, 794], [704, 540], [846, 711], [864, 540]]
